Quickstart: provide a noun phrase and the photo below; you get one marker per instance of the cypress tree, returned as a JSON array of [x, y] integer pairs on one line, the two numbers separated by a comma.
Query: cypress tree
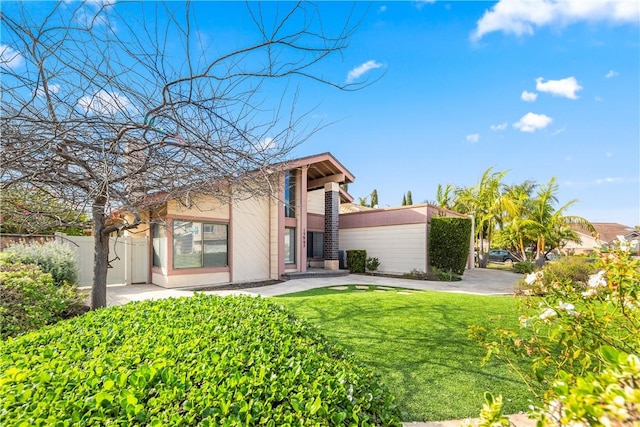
[[404, 200], [409, 199], [374, 198]]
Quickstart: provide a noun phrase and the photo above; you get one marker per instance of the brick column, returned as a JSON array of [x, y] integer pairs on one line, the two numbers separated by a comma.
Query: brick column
[[331, 211]]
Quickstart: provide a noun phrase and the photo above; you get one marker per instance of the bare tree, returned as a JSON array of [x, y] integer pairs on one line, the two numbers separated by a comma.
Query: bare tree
[[104, 104]]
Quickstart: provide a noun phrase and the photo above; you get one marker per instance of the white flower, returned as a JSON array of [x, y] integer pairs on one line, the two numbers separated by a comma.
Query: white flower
[[533, 277], [597, 280], [624, 245], [549, 312], [590, 292], [569, 308]]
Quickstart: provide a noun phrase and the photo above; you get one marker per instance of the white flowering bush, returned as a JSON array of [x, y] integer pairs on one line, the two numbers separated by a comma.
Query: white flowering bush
[[583, 341]]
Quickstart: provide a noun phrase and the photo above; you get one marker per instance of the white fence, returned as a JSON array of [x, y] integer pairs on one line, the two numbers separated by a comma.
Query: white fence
[[128, 258]]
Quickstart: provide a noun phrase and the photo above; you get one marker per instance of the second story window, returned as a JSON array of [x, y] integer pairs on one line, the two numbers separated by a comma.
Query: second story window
[[290, 194]]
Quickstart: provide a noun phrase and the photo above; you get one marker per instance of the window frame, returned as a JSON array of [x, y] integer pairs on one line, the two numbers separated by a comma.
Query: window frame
[[199, 242]]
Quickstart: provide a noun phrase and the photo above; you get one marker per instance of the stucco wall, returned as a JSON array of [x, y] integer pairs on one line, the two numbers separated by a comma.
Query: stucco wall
[[399, 248], [315, 202], [181, 280], [250, 246], [205, 207]]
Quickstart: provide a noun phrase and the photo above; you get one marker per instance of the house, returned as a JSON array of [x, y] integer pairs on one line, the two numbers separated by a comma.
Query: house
[[228, 240], [605, 233], [232, 240]]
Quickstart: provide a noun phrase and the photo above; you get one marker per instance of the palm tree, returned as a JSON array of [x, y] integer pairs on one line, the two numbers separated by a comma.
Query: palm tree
[[486, 203], [445, 196], [547, 225], [520, 202]]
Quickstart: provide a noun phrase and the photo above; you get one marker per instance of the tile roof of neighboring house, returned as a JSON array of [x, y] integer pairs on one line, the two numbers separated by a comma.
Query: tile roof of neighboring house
[[607, 231]]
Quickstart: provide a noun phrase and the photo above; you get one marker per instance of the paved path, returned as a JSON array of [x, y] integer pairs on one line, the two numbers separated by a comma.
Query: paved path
[[476, 281]]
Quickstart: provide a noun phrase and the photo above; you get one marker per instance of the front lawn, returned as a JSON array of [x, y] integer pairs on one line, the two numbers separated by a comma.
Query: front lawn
[[418, 342]]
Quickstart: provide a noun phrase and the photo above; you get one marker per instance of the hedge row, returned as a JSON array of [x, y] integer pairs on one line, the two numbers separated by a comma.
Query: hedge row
[[449, 243], [203, 360]]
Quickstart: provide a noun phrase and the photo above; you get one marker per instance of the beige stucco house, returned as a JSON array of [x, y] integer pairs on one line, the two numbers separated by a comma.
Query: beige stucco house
[[229, 240]]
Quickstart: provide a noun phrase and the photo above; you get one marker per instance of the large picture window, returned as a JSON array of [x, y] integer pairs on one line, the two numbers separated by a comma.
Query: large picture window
[[199, 244], [290, 194], [289, 245]]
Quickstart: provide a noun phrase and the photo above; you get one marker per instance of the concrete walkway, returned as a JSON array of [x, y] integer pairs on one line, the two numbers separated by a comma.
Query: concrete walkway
[[476, 281]]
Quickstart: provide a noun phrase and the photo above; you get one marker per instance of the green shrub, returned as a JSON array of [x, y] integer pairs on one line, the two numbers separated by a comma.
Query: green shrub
[[523, 267], [573, 270], [29, 299], [356, 260], [449, 243], [204, 360], [55, 258], [372, 264]]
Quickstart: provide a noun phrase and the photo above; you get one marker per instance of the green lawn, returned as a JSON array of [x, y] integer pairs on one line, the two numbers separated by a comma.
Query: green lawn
[[418, 343]]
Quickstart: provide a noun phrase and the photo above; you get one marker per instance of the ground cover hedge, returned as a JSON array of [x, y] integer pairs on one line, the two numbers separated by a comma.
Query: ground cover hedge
[[203, 360]]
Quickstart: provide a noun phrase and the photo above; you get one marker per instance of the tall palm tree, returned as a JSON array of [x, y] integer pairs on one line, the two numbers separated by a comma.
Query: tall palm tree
[[520, 202], [445, 196], [486, 203], [546, 224]]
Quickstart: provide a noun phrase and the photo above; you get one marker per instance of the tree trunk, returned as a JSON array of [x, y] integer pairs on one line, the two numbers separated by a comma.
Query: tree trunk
[[100, 256], [482, 257]]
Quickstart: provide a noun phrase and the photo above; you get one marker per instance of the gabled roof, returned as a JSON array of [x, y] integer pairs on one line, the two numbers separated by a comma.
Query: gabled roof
[[607, 231], [321, 166]]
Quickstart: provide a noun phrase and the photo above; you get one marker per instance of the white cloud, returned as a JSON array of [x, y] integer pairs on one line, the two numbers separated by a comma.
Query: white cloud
[[362, 69], [52, 87], [520, 17], [10, 57], [609, 180], [382, 8], [597, 98], [531, 122], [105, 103], [501, 126], [266, 144], [609, 154], [611, 74], [563, 87], [473, 138], [528, 96]]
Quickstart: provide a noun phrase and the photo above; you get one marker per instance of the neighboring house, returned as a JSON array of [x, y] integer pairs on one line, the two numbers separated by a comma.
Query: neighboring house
[[606, 232], [398, 237], [258, 238]]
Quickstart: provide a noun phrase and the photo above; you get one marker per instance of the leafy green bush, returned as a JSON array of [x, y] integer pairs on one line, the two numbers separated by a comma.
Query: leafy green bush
[[567, 270], [582, 339], [356, 260], [449, 243], [30, 299], [55, 258], [523, 267], [372, 264], [204, 360]]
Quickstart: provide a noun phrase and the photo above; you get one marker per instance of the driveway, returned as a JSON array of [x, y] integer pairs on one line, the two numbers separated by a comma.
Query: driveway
[[477, 281]]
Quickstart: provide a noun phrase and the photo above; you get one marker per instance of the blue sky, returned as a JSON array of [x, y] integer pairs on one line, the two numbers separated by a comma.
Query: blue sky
[[461, 90], [541, 89]]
